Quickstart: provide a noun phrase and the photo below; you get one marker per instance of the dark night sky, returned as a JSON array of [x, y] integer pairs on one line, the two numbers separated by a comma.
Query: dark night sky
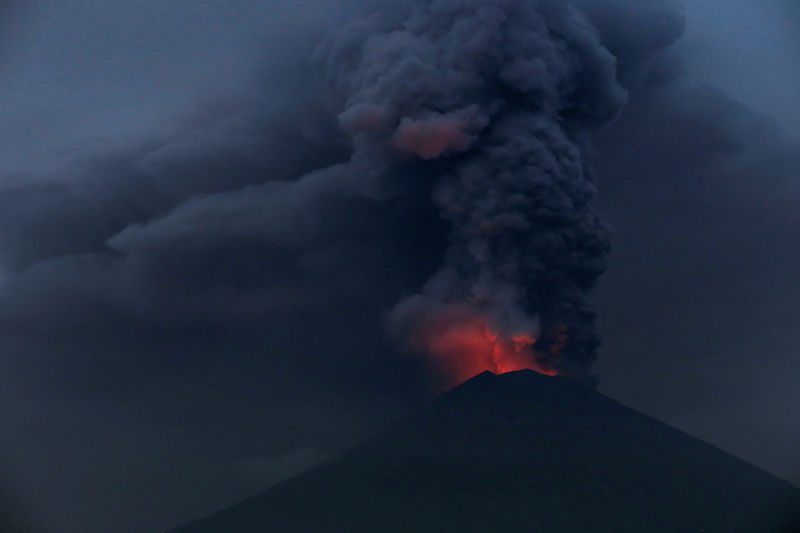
[[183, 324]]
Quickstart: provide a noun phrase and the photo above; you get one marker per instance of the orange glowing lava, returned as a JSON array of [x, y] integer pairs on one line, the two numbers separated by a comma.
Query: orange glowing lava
[[463, 346]]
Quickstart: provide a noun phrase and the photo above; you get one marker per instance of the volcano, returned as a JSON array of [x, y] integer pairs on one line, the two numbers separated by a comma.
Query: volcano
[[522, 452]]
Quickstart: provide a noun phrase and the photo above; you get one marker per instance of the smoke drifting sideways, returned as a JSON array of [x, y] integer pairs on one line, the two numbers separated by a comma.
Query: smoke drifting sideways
[[495, 100], [424, 160]]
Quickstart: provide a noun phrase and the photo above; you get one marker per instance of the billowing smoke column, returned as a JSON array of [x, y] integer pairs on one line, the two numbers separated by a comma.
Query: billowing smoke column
[[494, 96]]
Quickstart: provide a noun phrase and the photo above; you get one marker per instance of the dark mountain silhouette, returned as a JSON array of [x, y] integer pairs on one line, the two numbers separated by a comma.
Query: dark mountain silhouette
[[522, 452]]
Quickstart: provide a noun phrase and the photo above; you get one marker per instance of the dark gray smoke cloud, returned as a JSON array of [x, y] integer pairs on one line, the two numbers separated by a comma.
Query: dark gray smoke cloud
[[495, 98], [339, 190]]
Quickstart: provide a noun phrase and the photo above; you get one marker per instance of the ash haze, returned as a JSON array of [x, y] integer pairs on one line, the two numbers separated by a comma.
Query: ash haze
[[199, 285]]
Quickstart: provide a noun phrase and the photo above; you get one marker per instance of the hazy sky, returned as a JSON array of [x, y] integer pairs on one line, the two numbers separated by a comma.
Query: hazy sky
[[149, 375], [750, 50]]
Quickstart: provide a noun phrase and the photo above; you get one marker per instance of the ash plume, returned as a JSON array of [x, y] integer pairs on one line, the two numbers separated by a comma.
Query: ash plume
[[424, 159], [493, 97]]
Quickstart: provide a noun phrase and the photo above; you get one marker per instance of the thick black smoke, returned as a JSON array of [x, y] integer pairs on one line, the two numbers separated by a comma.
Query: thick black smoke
[[332, 183], [495, 98]]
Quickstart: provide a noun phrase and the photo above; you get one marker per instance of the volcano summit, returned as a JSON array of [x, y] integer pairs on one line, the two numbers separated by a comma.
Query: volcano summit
[[523, 451]]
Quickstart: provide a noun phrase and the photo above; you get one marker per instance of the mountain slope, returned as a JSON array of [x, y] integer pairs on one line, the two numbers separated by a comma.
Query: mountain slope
[[522, 452]]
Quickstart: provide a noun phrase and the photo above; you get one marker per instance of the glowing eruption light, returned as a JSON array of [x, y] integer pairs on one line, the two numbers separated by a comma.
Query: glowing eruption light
[[460, 346]]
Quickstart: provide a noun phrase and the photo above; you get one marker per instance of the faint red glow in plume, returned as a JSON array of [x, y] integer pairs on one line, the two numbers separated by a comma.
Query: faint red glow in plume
[[462, 346]]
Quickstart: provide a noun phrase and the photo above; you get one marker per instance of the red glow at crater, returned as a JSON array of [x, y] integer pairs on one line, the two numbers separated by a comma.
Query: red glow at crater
[[463, 346]]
